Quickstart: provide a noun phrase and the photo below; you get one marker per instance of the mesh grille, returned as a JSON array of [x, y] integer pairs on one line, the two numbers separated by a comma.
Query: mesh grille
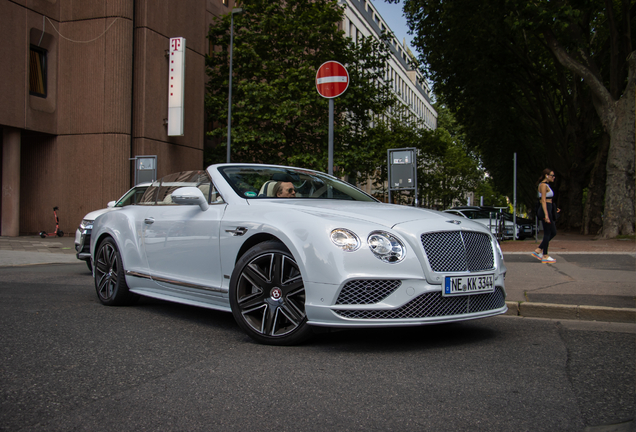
[[458, 251], [431, 305], [367, 291]]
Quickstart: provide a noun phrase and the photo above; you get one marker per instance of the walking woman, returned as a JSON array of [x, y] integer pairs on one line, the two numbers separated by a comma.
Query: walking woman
[[546, 212]]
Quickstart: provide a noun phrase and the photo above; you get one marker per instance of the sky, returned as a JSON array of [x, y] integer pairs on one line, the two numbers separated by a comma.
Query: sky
[[392, 14]]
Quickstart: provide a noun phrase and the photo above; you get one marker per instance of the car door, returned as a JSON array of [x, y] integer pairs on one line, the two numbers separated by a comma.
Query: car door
[[181, 242]]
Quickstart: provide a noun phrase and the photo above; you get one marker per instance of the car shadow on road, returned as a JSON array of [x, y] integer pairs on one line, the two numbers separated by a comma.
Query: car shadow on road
[[184, 312], [433, 336], [359, 340]]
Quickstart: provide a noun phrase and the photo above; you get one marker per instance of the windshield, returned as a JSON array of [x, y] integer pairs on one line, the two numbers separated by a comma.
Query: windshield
[[279, 182], [132, 196], [480, 214]]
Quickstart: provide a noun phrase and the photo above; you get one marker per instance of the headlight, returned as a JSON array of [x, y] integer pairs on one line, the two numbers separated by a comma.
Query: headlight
[[386, 247], [498, 248], [346, 240], [86, 223]]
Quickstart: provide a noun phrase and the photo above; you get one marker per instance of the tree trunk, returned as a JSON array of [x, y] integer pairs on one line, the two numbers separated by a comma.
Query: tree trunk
[[617, 117], [571, 199], [593, 212], [619, 193]]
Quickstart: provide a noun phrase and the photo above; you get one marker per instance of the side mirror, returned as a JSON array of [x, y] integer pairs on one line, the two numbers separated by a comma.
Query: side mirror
[[111, 204], [190, 196]]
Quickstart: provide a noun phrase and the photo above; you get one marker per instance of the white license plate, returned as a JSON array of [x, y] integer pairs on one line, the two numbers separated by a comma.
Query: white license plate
[[462, 285]]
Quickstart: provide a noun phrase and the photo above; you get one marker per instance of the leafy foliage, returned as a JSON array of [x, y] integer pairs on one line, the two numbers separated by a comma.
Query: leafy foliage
[[495, 65], [449, 170], [277, 114]]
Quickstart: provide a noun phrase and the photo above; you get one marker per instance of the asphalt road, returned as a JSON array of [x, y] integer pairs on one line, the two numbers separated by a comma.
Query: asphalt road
[[69, 363]]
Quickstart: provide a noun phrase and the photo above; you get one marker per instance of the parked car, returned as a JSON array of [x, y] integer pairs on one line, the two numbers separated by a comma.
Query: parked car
[[83, 232], [488, 216], [333, 256], [525, 227]]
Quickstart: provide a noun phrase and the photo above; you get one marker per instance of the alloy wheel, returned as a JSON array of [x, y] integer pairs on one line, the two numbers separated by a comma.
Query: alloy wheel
[[106, 271], [271, 295]]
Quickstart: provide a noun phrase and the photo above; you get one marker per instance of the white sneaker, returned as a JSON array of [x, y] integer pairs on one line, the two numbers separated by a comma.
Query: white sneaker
[[548, 260]]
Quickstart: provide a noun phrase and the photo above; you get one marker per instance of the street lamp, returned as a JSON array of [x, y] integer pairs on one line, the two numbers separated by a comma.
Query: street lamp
[[229, 99]]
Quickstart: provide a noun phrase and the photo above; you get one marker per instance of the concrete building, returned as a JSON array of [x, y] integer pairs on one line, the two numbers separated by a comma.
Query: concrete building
[[84, 88], [362, 19]]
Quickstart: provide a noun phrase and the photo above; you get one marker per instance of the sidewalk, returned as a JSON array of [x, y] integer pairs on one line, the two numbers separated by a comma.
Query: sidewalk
[[570, 243], [591, 279], [30, 250]]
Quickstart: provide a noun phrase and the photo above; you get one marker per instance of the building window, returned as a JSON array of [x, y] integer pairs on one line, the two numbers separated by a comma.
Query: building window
[[37, 71], [225, 2]]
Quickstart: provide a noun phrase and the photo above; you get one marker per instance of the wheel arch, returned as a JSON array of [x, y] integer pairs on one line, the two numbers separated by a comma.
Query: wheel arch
[[291, 300], [257, 239], [101, 238]]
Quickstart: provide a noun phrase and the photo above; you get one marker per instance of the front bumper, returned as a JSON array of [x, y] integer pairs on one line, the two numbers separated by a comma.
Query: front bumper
[[83, 244], [414, 302]]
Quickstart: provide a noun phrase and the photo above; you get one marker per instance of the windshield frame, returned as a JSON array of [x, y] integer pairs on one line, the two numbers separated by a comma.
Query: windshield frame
[[132, 192], [248, 182]]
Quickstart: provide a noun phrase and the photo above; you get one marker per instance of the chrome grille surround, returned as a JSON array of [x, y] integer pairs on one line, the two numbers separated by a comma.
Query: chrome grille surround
[[431, 305], [367, 291], [458, 251]]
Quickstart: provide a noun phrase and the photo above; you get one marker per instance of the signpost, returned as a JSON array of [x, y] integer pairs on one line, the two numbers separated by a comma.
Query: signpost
[[332, 79], [402, 171]]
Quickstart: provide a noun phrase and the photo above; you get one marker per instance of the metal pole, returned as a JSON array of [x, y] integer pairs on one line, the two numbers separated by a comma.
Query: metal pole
[[388, 172], [229, 99], [514, 201], [331, 136], [414, 159]]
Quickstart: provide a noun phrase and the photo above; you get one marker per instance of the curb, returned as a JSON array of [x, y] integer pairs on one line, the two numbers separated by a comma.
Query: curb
[[571, 312], [631, 253]]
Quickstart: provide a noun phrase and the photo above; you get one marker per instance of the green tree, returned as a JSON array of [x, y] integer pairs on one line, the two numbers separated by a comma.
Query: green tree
[[277, 114], [390, 133], [448, 170], [593, 40], [544, 79], [491, 196]]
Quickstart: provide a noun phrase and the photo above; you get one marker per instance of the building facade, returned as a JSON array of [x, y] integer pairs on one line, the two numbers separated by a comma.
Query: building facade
[[363, 20], [84, 86], [85, 90]]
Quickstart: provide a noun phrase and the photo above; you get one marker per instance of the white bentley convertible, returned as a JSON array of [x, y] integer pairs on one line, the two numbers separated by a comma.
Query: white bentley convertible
[[288, 249]]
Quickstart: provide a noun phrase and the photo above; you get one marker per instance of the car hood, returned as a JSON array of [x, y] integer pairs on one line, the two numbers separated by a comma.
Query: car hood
[[388, 215], [93, 215], [491, 221]]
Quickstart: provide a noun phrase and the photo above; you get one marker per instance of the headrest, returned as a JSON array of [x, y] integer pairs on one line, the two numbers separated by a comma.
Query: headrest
[[267, 190]]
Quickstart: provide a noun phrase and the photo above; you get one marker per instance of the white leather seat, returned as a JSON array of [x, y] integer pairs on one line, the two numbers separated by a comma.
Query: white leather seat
[[267, 190]]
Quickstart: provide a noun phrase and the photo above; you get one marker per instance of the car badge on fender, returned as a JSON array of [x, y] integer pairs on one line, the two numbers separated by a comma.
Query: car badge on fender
[[456, 222]]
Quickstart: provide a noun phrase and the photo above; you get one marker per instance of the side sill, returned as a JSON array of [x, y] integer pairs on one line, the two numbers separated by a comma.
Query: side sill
[[175, 282]]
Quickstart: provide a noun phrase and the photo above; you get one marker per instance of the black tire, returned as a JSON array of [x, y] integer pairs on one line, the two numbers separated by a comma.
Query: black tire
[[89, 265], [42, 234], [60, 233], [110, 281], [267, 296]]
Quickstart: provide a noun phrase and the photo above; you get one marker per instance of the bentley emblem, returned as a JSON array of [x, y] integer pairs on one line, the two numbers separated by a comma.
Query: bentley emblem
[[456, 222], [276, 294]]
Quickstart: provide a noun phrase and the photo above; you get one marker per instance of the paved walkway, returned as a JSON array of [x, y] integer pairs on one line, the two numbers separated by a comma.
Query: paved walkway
[[591, 280], [29, 250]]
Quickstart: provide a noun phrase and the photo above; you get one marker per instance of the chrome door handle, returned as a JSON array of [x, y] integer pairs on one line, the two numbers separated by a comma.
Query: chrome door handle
[[149, 220], [239, 231]]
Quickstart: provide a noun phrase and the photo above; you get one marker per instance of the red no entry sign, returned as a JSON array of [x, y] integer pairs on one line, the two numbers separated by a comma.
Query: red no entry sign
[[332, 79]]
